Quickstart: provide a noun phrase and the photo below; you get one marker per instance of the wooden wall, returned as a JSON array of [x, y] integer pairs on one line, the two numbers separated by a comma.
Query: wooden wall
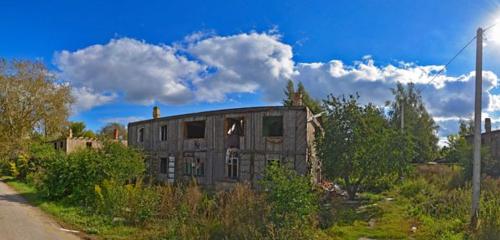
[[291, 149]]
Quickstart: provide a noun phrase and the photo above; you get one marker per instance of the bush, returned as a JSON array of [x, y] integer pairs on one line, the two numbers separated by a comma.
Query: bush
[[132, 202], [291, 197], [76, 175]]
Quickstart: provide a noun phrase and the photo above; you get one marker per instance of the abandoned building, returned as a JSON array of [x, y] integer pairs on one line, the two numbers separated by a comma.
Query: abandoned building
[[219, 148], [490, 139], [70, 143]]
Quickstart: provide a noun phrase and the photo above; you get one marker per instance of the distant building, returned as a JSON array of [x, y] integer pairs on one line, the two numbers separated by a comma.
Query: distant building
[[490, 139], [70, 144], [219, 148]]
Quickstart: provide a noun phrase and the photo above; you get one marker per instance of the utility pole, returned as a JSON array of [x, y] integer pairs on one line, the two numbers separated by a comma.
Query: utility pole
[[476, 171]]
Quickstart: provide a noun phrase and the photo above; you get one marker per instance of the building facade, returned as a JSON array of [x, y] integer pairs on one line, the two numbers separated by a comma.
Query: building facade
[[219, 148], [70, 143]]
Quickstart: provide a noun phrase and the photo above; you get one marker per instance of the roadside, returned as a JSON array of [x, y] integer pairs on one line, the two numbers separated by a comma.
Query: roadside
[[20, 220], [69, 217]]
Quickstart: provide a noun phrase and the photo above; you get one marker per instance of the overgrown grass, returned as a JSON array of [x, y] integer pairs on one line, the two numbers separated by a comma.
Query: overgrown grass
[[73, 217]]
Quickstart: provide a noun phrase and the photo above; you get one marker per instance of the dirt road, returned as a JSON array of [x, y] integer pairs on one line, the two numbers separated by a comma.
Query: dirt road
[[21, 221]]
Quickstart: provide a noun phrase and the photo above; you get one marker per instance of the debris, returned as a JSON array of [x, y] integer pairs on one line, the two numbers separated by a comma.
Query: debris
[[413, 229], [389, 199], [68, 230], [118, 219]]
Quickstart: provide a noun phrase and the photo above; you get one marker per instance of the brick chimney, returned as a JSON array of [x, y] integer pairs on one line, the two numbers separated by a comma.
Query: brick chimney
[[297, 100], [487, 124], [156, 112], [115, 134]]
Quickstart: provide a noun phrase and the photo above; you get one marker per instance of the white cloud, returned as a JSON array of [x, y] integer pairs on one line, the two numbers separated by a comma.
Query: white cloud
[[243, 63], [140, 71], [205, 67], [86, 99]]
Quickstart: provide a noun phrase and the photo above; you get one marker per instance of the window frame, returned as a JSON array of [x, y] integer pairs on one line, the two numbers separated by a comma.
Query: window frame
[[140, 135], [164, 165], [267, 129], [163, 133], [186, 129]]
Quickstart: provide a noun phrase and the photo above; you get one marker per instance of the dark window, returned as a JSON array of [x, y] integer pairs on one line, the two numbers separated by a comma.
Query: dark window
[[195, 129], [235, 126], [187, 167], [272, 126], [199, 167], [55, 145], [89, 144], [273, 161], [163, 133], [163, 165], [140, 135], [61, 145]]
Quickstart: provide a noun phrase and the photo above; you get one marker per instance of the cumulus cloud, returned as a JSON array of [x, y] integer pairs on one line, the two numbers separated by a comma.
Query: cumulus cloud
[[205, 67], [243, 63], [86, 98], [445, 96], [140, 71]]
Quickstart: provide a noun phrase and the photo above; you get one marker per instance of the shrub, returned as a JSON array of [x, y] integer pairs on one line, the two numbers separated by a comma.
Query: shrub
[[293, 202], [76, 175]]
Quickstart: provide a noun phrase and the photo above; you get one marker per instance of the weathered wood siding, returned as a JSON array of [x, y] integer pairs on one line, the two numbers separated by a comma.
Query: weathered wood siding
[[292, 149]]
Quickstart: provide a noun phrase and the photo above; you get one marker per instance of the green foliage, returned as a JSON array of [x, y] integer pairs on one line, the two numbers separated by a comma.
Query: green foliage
[[460, 151], [32, 104], [76, 174], [132, 202], [310, 102], [78, 130], [291, 197], [307, 100], [418, 123], [108, 131], [289, 92], [359, 148]]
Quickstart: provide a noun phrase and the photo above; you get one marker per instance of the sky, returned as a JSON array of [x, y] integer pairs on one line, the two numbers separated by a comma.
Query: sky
[[124, 57]]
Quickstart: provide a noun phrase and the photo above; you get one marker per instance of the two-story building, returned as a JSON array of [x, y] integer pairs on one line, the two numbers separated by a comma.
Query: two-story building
[[222, 147]]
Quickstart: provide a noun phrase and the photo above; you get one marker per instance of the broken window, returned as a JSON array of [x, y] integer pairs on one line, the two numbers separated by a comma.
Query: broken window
[[199, 167], [89, 144], [273, 162], [61, 145], [234, 130], [55, 145], [272, 126], [140, 135], [163, 165], [194, 167], [232, 164], [195, 129], [163, 133]]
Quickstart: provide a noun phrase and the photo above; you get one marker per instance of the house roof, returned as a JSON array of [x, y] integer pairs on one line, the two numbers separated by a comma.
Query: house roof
[[221, 111]]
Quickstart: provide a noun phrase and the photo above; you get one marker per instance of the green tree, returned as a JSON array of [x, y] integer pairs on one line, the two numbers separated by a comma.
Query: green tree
[[311, 103], [359, 148], [79, 130], [108, 131], [418, 123], [460, 151], [32, 103], [289, 92], [292, 199]]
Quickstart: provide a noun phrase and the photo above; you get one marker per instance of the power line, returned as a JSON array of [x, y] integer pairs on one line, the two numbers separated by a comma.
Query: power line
[[458, 53], [452, 59]]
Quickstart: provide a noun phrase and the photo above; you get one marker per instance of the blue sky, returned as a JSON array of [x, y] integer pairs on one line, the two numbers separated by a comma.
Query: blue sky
[[191, 56]]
